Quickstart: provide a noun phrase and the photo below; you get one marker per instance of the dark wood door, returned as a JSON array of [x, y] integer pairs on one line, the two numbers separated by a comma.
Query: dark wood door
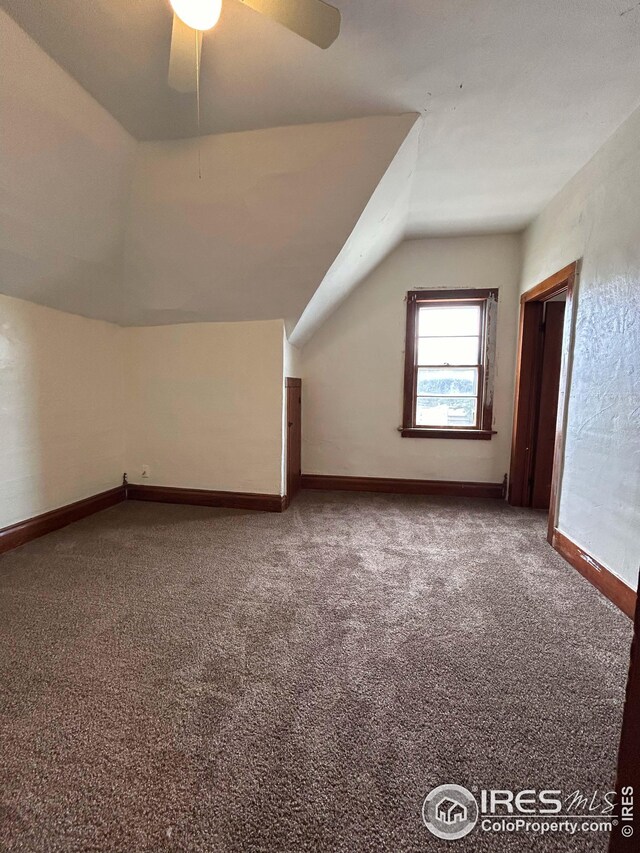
[[548, 405], [294, 436]]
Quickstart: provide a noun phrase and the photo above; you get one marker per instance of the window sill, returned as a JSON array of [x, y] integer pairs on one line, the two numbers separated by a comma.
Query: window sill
[[426, 432]]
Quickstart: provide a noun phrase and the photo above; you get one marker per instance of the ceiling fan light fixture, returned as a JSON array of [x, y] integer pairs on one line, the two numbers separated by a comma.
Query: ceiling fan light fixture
[[198, 14]]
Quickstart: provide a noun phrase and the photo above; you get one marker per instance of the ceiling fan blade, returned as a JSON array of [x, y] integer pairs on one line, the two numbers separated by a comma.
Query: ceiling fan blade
[[314, 20], [182, 60]]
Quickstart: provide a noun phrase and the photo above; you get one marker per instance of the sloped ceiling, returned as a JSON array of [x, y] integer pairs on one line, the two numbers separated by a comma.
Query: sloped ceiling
[[240, 226], [245, 226], [65, 171], [517, 95], [379, 230], [515, 98]]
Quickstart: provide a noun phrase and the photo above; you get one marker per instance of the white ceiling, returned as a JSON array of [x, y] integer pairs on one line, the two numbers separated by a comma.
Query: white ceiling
[[315, 165], [517, 94], [228, 227]]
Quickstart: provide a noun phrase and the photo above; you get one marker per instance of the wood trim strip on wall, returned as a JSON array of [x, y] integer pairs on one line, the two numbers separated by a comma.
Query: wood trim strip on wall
[[457, 432], [403, 487], [408, 389], [609, 584], [552, 285], [527, 373], [566, 367], [32, 528], [206, 497]]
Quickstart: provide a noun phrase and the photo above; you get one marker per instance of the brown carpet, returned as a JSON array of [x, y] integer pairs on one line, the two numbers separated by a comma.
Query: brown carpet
[[181, 678]]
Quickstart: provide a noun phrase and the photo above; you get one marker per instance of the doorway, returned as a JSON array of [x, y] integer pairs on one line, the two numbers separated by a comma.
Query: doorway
[[546, 313], [293, 390], [547, 397]]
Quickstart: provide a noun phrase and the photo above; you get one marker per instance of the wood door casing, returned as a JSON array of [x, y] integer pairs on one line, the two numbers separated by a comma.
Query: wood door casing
[[293, 388], [527, 382], [545, 438]]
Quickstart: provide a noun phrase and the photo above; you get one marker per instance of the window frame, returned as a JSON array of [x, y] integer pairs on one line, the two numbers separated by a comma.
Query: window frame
[[483, 429]]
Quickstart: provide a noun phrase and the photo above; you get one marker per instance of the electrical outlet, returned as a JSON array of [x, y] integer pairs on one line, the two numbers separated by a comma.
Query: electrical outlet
[[146, 471]]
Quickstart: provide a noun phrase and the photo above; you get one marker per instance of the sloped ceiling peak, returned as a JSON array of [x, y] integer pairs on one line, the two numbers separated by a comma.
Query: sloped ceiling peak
[[245, 226], [380, 228]]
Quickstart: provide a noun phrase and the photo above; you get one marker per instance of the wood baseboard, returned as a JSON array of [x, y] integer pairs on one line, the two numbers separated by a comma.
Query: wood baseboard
[[205, 497], [32, 528], [609, 585], [390, 485]]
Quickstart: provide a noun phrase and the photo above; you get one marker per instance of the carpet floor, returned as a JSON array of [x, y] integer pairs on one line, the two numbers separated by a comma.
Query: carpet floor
[[189, 679]]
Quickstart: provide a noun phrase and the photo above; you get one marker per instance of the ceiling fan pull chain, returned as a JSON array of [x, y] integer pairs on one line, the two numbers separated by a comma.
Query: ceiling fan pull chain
[[197, 35]]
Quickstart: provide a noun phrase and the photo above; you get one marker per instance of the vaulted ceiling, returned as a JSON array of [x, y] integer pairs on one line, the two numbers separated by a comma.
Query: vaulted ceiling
[[517, 95], [245, 226], [514, 97], [225, 227]]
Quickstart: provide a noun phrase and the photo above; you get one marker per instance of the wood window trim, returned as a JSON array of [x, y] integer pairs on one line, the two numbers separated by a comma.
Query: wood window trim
[[484, 430]]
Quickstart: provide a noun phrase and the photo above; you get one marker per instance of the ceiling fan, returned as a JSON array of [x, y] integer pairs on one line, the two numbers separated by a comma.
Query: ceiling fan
[[314, 20]]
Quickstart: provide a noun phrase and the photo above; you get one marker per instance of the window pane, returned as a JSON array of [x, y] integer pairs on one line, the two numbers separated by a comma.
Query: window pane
[[446, 411], [449, 381], [443, 320], [448, 350]]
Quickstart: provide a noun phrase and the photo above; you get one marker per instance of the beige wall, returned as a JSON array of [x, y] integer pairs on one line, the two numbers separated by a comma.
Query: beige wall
[[353, 367], [84, 401], [61, 404], [205, 400], [205, 403], [65, 169], [596, 217]]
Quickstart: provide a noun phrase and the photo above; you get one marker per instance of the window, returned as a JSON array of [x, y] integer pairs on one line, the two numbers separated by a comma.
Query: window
[[449, 357]]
